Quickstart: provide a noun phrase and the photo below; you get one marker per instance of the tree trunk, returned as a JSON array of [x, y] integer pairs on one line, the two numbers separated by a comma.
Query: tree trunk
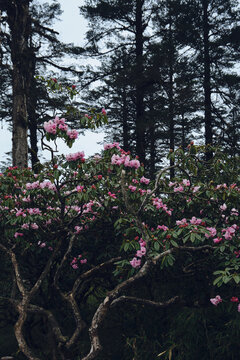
[[140, 125], [206, 81], [31, 108], [170, 97], [19, 24], [152, 135], [126, 145]]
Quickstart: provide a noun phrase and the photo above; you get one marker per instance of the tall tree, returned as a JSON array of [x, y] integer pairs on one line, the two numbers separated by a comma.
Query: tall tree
[[42, 49], [18, 20], [210, 28], [122, 25]]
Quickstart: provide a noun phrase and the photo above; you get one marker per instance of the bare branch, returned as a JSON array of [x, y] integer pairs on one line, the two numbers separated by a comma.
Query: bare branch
[[140, 301]]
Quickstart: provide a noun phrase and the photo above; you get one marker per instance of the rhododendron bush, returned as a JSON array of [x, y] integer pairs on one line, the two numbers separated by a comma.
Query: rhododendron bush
[[102, 218]]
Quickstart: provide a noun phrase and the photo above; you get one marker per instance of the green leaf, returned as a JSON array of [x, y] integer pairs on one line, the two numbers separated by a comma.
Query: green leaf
[[226, 279], [170, 260], [156, 246], [236, 278], [174, 243], [126, 246], [217, 280], [192, 237], [185, 239]]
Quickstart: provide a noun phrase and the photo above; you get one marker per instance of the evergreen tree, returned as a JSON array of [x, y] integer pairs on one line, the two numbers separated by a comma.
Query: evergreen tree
[[42, 50], [122, 25], [211, 29]]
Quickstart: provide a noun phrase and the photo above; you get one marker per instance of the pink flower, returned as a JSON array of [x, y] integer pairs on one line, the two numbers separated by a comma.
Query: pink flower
[[181, 222], [104, 111], [112, 195], [196, 188], [74, 266], [133, 164], [217, 240], [142, 242], [195, 221], [79, 188], [215, 301], [50, 127], [234, 212], [34, 211], [141, 252], [17, 234], [78, 229], [135, 262], [162, 227], [230, 231], [234, 299], [237, 253], [132, 188], [186, 182], [223, 207], [178, 189], [110, 146], [34, 226], [63, 127], [144, 180], [238, 307], [212, 231], [73, 157], [72, 134], [83, 261]]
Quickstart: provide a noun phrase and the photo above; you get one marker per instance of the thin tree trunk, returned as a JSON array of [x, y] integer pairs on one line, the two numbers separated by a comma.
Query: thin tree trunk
[[140, 125], [126, 144], [206, 81], [18, 20], [170, 97], [152, 138], [31, 108]]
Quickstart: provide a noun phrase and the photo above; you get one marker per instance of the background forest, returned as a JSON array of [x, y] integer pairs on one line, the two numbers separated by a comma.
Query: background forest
[[166, 73]]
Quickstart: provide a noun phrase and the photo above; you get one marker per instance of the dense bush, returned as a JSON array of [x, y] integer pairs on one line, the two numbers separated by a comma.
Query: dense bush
[[79, 238]]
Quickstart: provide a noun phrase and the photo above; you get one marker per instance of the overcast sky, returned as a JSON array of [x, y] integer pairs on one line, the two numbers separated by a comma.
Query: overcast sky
[[71, 28]]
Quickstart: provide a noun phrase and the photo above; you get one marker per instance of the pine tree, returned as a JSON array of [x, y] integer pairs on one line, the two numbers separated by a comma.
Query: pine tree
[[42, 50], [210, 28]]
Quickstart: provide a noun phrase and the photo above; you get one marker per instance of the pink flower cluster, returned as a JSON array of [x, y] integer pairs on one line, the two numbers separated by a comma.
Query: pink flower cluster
[[162, 227], [27, 226], [215, 301], [140, 253], [45, 184], [113, 196], [73, 157], [72, 134], [182, 222], [212, 232], [125, 160], [229, 232], [74, 262], [17, 234], [195, 221], [132, 188], [111, 146], [160, 205], [144, 180], [52, 126], [34, 211]]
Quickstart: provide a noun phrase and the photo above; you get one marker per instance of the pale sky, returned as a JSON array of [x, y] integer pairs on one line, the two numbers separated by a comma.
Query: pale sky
[[71, 29]]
